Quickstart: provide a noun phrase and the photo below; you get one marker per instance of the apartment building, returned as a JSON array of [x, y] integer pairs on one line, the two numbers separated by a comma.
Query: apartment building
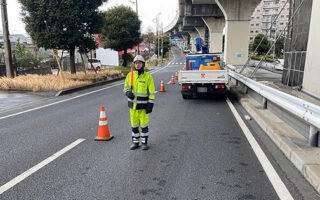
[[266, 12]]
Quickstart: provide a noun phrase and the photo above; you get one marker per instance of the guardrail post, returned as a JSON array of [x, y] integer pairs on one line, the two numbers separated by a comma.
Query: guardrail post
[[313, 136], [264, 103], [245, 88]]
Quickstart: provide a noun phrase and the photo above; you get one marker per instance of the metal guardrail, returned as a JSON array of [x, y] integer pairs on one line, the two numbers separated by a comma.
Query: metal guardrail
[[308, 112]]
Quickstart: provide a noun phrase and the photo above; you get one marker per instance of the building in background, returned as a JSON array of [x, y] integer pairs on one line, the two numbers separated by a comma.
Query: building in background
[[264, 14]]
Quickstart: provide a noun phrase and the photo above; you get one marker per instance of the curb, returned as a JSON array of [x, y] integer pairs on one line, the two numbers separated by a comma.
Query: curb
[[68, 91], [293, 145]]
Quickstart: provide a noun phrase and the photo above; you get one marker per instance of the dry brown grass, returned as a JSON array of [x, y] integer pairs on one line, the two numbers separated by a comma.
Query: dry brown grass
[[38, 83]]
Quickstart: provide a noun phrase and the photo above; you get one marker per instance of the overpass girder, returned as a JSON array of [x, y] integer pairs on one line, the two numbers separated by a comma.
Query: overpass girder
[[192, 21], [202, 10]]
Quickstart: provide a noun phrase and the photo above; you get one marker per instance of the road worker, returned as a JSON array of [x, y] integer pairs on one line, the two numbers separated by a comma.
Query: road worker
[[140, 93]]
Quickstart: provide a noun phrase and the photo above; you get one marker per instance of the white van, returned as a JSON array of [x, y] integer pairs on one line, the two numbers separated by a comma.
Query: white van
[[96, 64]]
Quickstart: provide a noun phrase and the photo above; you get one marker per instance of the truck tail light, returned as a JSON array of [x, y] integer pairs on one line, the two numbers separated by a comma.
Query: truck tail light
[[186, 87], [219, 87], [190, 66]]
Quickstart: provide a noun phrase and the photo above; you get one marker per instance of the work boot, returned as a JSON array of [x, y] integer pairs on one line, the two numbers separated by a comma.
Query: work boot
[[134, 146], [145, 146]]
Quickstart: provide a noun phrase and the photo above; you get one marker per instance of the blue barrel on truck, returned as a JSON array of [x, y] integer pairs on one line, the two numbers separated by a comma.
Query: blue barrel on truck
[[194, 61]]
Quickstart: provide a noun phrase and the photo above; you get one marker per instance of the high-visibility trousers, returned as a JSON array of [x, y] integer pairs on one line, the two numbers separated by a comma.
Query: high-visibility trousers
[[139, 121]]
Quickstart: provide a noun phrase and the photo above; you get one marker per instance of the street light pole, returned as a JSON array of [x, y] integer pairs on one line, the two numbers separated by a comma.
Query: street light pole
[[138, 17], [6, 40]]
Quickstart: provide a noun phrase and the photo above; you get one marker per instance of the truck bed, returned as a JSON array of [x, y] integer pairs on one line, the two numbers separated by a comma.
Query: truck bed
[[203, 76]]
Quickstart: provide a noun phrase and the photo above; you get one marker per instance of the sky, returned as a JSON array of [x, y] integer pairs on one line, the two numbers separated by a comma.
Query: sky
[[147, 10]]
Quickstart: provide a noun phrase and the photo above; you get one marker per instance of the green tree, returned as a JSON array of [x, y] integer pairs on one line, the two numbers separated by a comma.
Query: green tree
[[279, 48], [149, 38], [24, 58], [121, 30], [20, 50], [63, 24], [264, 46], [166, 45]]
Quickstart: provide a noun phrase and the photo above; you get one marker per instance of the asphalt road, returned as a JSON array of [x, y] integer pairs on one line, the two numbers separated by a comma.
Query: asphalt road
[[198, 150]]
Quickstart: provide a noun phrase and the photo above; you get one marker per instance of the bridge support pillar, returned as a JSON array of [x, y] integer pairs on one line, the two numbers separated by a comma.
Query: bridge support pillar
[[215, 26], [238, 15], [311, 79], [236, 46], [193, 34], [201, 30]]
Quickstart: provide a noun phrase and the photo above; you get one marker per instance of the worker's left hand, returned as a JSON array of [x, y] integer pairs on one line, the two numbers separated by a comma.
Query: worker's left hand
[[149, 108]]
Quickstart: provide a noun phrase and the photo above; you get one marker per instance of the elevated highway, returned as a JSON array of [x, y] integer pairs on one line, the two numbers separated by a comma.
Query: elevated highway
[[208, 18]]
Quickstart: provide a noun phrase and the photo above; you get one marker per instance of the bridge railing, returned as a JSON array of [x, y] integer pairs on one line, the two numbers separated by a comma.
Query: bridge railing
[[305, 111]]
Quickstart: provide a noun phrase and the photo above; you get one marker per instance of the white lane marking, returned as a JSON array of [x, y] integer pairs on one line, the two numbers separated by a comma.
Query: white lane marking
[[156, 92], [32, 170], [75, 97], [173, 56], [44, 106], [153, 72], [180, 63], [274, 178]]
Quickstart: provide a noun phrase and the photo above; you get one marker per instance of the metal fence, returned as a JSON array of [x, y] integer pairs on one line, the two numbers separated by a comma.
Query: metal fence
[[296, 42], [294, 68]]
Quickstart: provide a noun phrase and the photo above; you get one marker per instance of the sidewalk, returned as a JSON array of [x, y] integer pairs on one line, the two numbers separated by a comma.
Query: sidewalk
[[12, 99], [292, 143]]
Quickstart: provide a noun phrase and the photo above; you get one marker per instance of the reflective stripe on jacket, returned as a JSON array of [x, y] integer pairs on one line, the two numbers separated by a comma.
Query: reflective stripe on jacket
[[143, 90]]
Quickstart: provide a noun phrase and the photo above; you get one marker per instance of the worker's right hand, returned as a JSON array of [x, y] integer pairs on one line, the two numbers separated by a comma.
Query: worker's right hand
[[130, 95]]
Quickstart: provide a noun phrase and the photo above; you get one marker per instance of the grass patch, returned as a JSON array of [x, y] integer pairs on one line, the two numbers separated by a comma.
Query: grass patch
[[269, 58], [124, 70], [38, 83]]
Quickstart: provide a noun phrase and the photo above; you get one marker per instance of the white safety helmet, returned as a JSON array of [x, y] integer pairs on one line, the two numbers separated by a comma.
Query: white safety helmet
[[139, 58]]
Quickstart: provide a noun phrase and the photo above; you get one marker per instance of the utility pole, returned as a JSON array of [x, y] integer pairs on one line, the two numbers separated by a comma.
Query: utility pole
[[138, 17], [158, 36], [6, 40], [161, 42]]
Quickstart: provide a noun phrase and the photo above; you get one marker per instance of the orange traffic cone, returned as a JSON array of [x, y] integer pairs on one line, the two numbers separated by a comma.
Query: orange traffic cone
[[172, 80], [176, 77], [103, 131], [162, 86]]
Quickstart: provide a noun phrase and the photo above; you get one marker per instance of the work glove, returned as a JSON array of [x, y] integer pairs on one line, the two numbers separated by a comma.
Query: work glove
[[130, 95], [149, 108]]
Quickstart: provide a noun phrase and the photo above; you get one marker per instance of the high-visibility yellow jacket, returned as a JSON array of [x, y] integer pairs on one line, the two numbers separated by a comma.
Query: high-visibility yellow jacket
[[143, 90]]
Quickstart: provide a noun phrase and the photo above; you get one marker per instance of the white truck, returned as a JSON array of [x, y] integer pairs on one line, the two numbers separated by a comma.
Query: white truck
[[202, 75]]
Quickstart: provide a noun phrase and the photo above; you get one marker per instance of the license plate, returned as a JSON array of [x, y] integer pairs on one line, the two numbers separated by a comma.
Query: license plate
[[202, 89]]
